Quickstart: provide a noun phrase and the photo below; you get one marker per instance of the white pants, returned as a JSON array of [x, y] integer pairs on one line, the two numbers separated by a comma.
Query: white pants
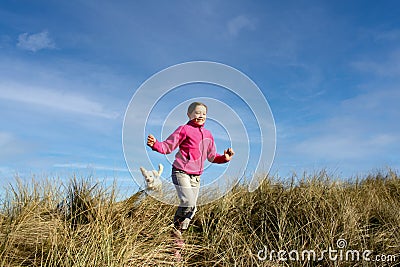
[[187, 187]]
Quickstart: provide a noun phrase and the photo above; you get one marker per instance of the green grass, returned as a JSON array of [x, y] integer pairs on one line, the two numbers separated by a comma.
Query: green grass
[[92, 228]]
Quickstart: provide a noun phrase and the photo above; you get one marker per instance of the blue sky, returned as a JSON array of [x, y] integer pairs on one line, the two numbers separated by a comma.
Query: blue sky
[[330, 71]]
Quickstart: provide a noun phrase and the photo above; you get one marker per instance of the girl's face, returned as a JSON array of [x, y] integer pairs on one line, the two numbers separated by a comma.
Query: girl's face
[[198, 115]]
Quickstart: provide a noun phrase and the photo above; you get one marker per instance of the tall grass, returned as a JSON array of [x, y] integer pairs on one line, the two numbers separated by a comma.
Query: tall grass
[[81, 223]]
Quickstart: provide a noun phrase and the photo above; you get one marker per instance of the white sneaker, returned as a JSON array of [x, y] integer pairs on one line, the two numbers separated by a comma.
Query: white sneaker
[[185, 224]]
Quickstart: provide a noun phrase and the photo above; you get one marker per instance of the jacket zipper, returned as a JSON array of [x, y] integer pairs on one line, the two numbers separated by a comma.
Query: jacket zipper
[[202, 150]]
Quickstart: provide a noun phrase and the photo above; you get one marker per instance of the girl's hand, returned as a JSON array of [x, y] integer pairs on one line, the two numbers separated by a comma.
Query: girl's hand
[[229, 154], [151, 140]]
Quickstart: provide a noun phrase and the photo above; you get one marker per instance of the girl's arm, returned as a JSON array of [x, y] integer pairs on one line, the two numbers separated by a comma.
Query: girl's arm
[[170, 144], [214, 157]]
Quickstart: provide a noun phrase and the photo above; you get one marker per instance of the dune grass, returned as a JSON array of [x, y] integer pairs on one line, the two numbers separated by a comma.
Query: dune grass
[[81, 223]]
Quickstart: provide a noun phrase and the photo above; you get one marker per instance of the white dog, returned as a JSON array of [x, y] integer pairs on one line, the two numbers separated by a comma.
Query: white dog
[[152, 178]]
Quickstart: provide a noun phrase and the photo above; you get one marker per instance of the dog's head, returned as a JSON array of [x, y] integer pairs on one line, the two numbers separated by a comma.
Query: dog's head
[[152, 178]]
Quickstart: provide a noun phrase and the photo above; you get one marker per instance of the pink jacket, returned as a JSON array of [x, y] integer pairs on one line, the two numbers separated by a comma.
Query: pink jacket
[[196, 144]]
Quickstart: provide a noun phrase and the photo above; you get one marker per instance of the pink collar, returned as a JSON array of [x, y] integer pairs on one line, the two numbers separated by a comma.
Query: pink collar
[[192, 123]]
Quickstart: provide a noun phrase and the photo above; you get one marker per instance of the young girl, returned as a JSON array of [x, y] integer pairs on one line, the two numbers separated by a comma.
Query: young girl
[[196, 144]]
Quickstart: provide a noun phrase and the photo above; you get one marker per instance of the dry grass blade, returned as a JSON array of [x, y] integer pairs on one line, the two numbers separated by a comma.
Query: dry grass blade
[[82, 224]]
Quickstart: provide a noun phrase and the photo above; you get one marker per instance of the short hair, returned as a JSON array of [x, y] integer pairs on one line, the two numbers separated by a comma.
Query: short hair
[[194, 105]]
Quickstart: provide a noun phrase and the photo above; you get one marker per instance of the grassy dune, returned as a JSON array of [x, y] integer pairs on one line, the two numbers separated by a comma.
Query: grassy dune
[[82, 224]]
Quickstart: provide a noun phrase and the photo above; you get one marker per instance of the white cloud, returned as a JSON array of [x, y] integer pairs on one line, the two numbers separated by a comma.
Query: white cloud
[[54, 99], [389, 67], [7, 171], [240, 23], [11, 146], [362, 127], [380, 34], [306, 83], [340, 146], [35, 42], [4, 138], [89, 166], [389, 35]]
